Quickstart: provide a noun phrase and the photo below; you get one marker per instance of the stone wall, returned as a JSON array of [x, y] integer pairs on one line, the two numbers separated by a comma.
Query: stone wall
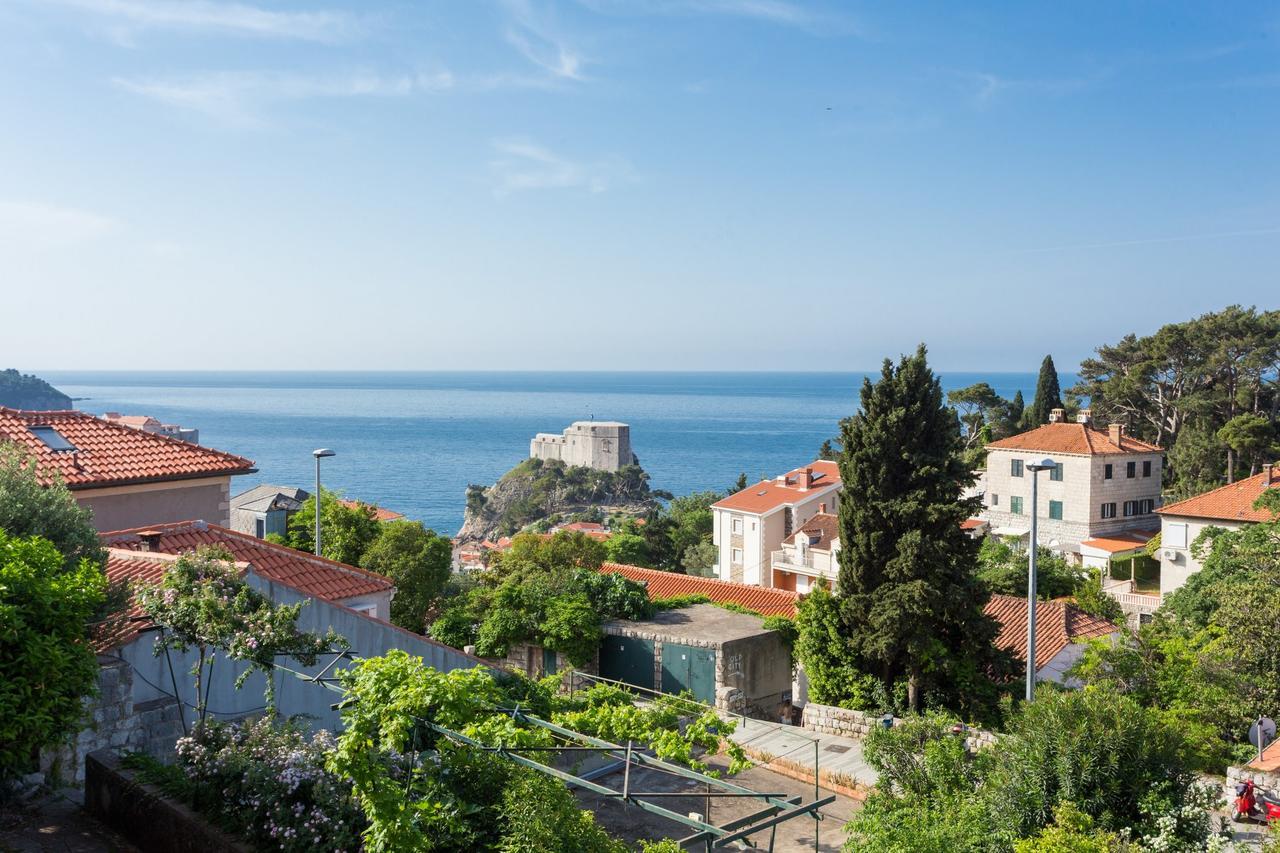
[[856, 724], [1267, 780], [116, 722]]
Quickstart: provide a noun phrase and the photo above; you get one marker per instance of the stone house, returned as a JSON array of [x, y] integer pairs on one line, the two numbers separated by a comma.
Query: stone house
[[603, 445], [749, 526], [127, 476], [1229, 507], [266, 509], [1105, 482]]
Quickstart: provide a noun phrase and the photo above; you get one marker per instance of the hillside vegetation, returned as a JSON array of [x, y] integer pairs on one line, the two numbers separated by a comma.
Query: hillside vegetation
[[537, 489], [23, 391]]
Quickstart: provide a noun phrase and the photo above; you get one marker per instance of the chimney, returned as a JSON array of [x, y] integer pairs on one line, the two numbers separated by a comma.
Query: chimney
[[1115, 432], [1270, 475], [822, 507], [149, 540], [1057, 416], [1085, 417], [805, 480]]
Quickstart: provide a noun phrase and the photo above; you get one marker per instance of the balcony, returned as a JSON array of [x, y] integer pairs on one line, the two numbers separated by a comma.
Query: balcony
[[1135, 605], [812, 563]]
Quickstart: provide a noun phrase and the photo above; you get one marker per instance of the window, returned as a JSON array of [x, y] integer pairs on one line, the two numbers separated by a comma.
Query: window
[[52, 439], [1055, 510], [1130, 508], [1109, 510], [1106, 472], [736, 556], [260, 527], [995, 500], [736, 526], [1015, 505], [1055, 473], [1015, 468], [1175, 536], [1146, 507], [1146, 468], [1131, 470]]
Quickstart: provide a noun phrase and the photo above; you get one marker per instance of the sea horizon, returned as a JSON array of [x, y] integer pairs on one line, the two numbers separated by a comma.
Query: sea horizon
[[412, 440]]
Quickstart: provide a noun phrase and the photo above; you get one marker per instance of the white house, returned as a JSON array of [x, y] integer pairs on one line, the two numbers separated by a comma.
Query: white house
[[750, 525]]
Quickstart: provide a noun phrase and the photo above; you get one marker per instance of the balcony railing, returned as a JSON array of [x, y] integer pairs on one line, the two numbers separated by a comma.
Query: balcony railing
[[790, 561], [1133, 603]]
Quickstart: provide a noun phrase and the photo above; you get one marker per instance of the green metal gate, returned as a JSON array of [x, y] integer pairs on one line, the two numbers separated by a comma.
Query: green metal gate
[[627, 659], [549, 661], [689, 668]]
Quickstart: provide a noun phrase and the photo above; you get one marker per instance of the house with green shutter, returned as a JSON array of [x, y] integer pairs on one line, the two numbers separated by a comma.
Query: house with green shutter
[[1103, 489]]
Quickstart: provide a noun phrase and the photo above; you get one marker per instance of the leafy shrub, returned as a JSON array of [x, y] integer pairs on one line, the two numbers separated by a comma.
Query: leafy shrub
[[268, 784], [46, 662]]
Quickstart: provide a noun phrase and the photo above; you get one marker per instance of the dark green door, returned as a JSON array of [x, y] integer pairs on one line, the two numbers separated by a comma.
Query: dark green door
[[627, 659], [689, 668], [548, 661]]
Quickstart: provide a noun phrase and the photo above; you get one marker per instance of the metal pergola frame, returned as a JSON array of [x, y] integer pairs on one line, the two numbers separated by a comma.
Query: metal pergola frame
[[777, 807]]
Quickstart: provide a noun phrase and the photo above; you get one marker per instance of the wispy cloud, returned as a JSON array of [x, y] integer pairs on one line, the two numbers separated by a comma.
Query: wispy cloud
[[47, 226], [985, 87], [229, 18], [238, 96], [538, 39], [769, 11], [522, 165]]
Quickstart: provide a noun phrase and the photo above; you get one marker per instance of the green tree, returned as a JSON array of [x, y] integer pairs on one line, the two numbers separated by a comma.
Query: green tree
[[1004, 570], [418, 561], [979, 408], [36, 502], [628, 549], [911, 606], [46, 661], [1249, 439], [346, 531], [823, 650], [700, 559], [1048, 396]]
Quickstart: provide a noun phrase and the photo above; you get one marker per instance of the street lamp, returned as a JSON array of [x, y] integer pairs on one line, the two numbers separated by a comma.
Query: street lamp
[[1035, 468], [324, 453]]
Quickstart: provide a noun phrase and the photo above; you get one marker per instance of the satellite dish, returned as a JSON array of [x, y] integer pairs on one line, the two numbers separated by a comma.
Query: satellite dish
[[1262, 732]]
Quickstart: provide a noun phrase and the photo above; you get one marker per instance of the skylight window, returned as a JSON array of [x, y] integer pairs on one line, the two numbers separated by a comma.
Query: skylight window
[[52, 439]]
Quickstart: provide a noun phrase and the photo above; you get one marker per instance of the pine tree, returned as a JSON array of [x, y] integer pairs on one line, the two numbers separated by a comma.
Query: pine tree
[[1048, 395], [1013, 416], [911, 605]]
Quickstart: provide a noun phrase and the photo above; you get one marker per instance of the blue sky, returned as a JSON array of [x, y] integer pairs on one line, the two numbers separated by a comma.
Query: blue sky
[[627, 184]]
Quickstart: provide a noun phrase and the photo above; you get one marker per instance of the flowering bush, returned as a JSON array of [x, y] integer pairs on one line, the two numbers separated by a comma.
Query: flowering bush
[[269, 785]]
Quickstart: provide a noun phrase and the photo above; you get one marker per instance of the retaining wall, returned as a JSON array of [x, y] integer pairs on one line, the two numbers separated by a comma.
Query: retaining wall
[[856, 724]]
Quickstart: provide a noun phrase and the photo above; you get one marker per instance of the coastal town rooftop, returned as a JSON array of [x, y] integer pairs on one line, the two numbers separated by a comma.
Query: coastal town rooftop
[[769, 495]]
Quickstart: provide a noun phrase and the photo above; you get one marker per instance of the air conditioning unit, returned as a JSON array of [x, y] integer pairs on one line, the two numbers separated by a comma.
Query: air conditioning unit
[[1169, 554]]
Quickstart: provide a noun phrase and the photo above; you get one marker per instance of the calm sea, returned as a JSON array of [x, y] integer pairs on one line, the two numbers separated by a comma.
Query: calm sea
[[413, 441]]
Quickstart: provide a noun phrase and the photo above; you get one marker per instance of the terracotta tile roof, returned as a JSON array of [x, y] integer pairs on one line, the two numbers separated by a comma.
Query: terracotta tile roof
[[1270, 760], [1058, 624], [1233, 502], [109, 454], [1117, 542], [327, 579], [973, 523], [823, 529], [660, 584], [768, 495], [583, 527], [378, 512], [1078, 439]]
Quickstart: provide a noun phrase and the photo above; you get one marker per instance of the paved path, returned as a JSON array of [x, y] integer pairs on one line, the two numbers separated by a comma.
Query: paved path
[[56, 823], [838, 757]]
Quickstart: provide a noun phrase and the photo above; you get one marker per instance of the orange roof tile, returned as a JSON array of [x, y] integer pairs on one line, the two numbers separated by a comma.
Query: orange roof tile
[[768, 495], [1118, 542], [1078, 439], [1233, 502], [1058, 624], [823, 530], [660, 584], [379, 513], [327, 579], [111, 454], [583, 527], [1270, 760], [972, 523]]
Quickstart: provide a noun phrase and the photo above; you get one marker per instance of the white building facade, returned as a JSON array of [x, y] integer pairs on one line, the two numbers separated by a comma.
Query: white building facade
[[749, 526], [603, 445]]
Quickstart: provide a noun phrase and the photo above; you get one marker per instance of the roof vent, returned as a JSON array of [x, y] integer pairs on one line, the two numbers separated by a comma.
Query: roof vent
[[149, 540], [1057, 416]]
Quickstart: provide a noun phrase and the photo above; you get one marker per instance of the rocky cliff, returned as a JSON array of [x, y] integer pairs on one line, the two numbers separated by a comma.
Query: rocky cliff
[[19, 391], [535, 490]]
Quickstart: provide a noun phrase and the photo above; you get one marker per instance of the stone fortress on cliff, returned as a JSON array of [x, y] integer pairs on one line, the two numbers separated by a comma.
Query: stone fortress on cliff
[[603, 445]]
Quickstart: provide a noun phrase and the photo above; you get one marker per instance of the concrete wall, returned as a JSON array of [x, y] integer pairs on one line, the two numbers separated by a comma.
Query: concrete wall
[[1083, 490], [1175, 571], [368, 638], [115, 721], [125, 507], [602, 445]]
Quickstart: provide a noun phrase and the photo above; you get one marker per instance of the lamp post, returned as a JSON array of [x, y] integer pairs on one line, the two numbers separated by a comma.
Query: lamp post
[[323, 453], [1035, 468]]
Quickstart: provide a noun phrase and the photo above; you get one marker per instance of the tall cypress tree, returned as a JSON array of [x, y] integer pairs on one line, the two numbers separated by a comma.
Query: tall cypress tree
[[1048, 395], [911, 605]]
